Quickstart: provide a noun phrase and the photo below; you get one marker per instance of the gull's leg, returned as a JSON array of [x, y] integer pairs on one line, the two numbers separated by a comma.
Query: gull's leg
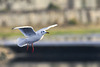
[[27, 47], [32, 48]]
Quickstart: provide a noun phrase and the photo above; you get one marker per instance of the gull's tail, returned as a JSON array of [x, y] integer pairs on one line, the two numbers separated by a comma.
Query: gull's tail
[[21, 42]]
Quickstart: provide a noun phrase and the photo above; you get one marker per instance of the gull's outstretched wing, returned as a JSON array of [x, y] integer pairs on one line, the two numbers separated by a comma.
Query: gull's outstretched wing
[[26, 30], [46, 28]]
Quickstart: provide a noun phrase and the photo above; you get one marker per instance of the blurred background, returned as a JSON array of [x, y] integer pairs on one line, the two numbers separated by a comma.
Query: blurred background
[[75, 42]]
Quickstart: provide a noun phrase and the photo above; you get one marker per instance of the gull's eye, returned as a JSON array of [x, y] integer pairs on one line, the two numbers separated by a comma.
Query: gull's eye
[[42, 31]]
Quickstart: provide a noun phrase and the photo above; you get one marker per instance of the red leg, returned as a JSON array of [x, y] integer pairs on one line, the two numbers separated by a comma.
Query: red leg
[[32, 48], [27, 47]]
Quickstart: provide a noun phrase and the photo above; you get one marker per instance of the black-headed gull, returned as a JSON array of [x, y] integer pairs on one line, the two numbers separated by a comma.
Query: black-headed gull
[[31, 35]]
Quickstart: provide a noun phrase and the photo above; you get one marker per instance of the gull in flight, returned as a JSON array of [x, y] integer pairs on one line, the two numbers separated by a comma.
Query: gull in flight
[[31, 35]]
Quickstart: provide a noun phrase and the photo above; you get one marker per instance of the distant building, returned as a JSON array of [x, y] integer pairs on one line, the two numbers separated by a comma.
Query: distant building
[[29, 5], [98, 3], [70, 4], [84, 11], [91, 4], [77, 4], [62, 4], [87, 4]]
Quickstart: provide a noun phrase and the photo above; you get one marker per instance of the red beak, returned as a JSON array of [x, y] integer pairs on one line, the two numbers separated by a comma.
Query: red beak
[[47, 32]]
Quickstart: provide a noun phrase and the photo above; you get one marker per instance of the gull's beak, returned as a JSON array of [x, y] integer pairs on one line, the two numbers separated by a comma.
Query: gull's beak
[[13, 28], [47, 32]]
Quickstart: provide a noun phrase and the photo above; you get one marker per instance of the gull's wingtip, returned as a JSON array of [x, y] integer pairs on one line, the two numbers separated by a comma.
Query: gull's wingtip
[[55, 24], [13, 28]]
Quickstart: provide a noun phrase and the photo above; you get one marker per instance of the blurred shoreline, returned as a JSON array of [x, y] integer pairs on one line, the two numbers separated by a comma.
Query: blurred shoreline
[[7, 32]]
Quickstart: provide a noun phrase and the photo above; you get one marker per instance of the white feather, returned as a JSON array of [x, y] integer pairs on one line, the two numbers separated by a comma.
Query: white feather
[[32, 35], [46, 28], [21, 42]]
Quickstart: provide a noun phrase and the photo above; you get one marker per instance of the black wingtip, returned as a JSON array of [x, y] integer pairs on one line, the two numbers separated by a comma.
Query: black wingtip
[[13, 28]]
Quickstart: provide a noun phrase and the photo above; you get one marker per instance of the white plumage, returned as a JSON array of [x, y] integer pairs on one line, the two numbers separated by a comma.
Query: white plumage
[[31, 35]]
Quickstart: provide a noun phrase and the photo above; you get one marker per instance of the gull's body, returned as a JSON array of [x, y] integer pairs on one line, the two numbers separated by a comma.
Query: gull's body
[[32, 39], [31, 35]]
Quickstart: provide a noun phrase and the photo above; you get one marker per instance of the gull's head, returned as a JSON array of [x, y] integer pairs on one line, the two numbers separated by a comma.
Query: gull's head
[[44, 32]]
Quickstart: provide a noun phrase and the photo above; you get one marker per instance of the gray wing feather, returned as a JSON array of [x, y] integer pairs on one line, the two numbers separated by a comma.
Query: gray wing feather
[[26, 30]]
